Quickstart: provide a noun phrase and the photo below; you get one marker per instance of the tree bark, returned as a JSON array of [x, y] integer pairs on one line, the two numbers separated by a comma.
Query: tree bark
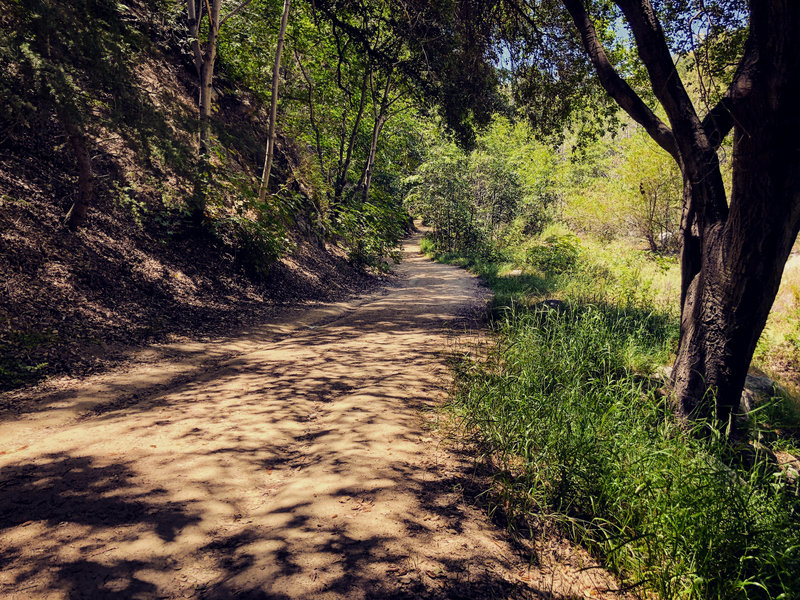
[[369, 167], [739, 263], [204, 59], [206, 91], [273, 113], [731, 256]]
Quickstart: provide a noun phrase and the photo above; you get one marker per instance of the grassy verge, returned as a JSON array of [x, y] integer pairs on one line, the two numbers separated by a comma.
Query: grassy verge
[[566, 406]]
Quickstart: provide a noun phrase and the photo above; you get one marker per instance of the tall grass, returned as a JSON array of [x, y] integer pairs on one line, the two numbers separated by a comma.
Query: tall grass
[[580, 434]]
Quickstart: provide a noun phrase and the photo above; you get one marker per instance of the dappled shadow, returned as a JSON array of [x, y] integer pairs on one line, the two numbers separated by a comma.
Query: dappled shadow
[[56, 515], [301, 467], [65, 488]]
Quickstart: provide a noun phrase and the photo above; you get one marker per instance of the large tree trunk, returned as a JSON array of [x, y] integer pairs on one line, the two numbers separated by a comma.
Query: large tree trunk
[[733, 255], [732, 274]]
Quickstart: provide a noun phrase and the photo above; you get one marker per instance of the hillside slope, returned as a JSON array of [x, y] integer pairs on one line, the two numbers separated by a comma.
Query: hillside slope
[[137, 270]]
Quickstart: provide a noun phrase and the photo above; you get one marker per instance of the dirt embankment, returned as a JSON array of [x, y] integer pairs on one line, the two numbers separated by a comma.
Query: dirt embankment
[[138, 270], [295, 461]]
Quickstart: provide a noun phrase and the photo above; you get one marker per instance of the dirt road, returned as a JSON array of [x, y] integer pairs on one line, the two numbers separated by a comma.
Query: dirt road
[[290, 462]]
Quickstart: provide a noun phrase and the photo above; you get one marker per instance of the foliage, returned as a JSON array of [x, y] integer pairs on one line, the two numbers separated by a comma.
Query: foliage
[[441, 195], [492, 196], [336, 98], [555, 254], [16, 348], [371, 230], [580, 435], [56, 52], [624, 187], [252, 230]]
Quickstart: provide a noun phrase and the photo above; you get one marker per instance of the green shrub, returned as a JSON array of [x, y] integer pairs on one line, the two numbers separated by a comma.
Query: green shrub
[[371, 231], [255, 243], [17, 365], [427, 246], [555, 255]]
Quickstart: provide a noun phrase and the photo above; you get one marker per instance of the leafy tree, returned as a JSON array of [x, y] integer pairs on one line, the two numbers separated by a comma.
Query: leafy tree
[[650, 183], [441, 196], [529, 172], [476, 201], [340, 109], [733, 246], [625, 187], [205, 17], [733, 251]]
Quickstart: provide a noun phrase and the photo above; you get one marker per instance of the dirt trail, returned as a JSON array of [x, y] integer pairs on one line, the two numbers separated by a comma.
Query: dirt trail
[[291, 462]]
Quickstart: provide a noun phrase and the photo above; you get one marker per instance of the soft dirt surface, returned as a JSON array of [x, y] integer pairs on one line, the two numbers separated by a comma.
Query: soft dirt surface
[[295, 461]]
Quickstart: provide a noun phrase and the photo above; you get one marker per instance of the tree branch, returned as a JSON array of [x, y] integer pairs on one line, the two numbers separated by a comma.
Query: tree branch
[[312, 119], [657, 59], [526, 17], [720, 120], [234, 11], [617, 87], [210, 15]]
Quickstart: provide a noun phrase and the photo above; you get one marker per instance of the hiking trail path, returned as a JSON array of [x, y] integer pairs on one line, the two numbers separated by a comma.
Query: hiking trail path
[[297, 460]]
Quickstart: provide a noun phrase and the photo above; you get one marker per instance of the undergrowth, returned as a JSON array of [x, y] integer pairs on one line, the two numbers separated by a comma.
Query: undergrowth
[[566, 406]]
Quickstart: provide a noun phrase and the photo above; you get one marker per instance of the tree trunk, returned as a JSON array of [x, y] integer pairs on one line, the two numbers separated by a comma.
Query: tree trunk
[[732, 256], [341, 179], [369, 167], [77, 139], [380, 111], [206, 92], [199, 198], [204, 59], [732, 272], [273, 113], [194, 12]]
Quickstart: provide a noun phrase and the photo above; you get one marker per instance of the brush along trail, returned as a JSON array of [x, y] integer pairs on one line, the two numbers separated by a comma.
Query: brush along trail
[[293, 461]]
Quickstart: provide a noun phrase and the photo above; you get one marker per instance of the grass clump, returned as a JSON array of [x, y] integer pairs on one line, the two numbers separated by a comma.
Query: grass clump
[[17, 367], [565, 406]]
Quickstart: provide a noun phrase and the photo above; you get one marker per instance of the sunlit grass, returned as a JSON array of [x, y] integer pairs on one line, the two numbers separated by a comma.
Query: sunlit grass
[[566, 406]]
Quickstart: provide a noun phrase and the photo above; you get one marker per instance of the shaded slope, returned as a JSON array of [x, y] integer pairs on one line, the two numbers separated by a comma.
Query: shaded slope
[[136, 271]]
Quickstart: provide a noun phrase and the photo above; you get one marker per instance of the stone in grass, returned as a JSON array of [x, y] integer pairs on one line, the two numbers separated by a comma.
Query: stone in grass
[[550, 304], [757, 389]]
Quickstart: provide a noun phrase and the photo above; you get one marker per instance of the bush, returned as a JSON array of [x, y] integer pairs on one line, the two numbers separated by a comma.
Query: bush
[[371, 231], [256, 244], [555, 255]]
